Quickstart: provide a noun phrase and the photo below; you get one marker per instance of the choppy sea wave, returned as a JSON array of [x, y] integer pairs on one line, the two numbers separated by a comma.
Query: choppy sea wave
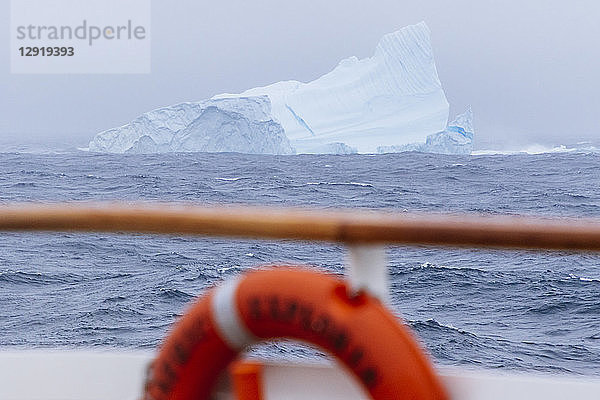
[[512, 310]]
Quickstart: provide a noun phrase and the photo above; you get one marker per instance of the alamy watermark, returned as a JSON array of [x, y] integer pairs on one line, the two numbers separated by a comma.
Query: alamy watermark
[[80, 36]]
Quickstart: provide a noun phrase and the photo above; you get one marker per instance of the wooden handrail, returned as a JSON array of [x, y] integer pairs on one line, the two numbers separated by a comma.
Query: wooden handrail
[[347, 226]]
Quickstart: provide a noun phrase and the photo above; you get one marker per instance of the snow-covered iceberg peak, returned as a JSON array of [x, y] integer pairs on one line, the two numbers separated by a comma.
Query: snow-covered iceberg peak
[[392, 98], [406, 57]]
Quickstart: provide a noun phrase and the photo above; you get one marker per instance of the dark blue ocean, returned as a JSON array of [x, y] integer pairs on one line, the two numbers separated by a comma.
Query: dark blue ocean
[[508, 310]]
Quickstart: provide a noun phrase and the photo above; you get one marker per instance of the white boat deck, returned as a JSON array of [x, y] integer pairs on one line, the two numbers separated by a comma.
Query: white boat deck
[[107, 375]]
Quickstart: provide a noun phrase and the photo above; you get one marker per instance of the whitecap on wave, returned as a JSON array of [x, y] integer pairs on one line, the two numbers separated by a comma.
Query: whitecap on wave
[[228, 179], [538, 149], [583, 279], [340, 184]]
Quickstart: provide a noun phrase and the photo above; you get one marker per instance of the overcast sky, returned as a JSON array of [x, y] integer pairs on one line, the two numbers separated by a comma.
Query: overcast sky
[[529, 68]]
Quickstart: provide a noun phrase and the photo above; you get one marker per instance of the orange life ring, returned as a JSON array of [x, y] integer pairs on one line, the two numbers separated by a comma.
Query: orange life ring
[[291, 303]]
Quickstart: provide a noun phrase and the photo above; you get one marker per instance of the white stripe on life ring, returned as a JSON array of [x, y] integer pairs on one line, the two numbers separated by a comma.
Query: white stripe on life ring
[[227, 317]]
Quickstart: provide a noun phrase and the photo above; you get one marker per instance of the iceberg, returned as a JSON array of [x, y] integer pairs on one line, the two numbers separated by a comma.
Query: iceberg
[[242, 125], [392, 101], [457, 138]]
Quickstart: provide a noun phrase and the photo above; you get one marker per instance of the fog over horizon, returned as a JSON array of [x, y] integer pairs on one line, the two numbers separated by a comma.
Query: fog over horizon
[[530, 70]]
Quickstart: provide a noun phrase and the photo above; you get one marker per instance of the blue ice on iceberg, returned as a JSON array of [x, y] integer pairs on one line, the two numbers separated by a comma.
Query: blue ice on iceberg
[[457, 138]]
